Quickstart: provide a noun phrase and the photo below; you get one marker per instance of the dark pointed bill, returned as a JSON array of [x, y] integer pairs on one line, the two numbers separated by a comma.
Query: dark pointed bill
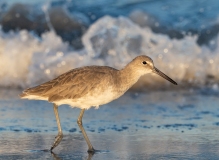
[[157, 71]]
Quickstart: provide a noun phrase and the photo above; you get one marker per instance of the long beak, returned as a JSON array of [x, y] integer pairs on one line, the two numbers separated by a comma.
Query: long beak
[[157, 71]]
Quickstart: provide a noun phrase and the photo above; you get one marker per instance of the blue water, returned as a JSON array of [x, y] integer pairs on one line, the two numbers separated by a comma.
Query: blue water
[[175, 18], [48, 38]]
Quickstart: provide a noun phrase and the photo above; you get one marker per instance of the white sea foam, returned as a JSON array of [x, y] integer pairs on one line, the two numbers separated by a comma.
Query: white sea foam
[[27, 60], [118, 40]]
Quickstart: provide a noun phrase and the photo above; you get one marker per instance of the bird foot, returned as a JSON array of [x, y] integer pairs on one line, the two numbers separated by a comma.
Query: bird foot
[[91, 150], [58, 139]]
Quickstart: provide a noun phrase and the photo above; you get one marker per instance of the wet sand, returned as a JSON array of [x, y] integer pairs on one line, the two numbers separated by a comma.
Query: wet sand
[[155, 125]]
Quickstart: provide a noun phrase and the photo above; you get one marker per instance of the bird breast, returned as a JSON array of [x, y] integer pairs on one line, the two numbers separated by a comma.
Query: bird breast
[[92, 99]]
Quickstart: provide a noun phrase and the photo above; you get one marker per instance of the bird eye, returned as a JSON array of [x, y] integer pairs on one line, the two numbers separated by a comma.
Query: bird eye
[[144, 62]]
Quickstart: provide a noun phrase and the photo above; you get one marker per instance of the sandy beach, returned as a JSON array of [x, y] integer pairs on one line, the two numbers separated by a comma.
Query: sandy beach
[[151, 125]]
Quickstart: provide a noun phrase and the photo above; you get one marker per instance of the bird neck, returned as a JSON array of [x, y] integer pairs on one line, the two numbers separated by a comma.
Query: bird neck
[[128, 77]]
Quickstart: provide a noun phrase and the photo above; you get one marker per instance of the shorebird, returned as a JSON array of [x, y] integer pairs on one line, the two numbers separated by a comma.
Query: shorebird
[[90, 86]]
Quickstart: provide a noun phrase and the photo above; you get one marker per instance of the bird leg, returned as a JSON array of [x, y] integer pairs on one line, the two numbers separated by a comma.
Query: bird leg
[[59, 137], [79, 121]]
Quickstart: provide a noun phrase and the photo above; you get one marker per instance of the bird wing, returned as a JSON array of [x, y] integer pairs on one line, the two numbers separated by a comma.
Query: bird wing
[[73, 84]]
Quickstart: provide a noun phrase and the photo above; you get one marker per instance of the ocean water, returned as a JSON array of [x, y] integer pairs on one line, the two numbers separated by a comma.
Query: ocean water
[[41, 39]]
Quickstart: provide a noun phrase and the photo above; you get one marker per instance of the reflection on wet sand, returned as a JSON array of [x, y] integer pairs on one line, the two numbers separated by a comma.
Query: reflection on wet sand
[[156, 125], [56, 157]]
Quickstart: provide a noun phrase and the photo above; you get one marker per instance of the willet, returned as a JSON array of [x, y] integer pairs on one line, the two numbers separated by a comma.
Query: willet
[[91, 86]]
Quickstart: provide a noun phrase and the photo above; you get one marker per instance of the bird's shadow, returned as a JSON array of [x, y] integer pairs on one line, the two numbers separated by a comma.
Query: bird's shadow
[[56, 157]]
